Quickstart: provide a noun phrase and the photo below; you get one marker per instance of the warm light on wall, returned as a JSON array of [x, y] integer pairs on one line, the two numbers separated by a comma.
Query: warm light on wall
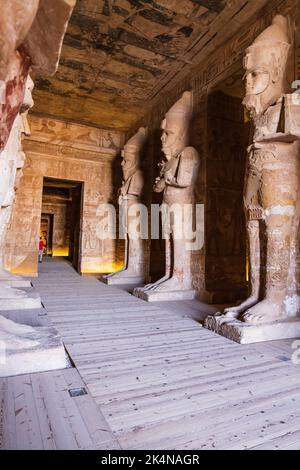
[[26, 272], [60, 251], [102, 268], [247, 268]]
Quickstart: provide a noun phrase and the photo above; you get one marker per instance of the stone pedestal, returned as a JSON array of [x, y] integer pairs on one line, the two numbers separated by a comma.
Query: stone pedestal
[[164, 296], [245, 333], [33, 350]]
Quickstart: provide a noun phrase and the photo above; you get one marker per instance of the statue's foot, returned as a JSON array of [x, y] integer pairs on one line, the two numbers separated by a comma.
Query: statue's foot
[[266, 311], [117, 273], [17, 343], [153, 285], [128, 273], [150, 287], [5, 274], [13, 328], [169, 285], [235, 312], [7, 292]]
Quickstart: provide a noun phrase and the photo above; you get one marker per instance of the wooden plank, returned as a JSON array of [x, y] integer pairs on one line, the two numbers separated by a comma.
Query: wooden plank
[[155, 378], [94, 420], [7, 418], [27, 436]]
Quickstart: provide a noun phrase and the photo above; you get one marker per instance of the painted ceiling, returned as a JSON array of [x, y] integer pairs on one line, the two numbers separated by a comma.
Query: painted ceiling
[[118, 54]]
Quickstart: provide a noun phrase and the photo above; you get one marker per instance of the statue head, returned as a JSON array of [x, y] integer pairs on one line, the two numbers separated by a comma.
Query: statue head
[[175, 126], [27, 104], [23, 130], [131, 152], [266, 65], [18, 17]]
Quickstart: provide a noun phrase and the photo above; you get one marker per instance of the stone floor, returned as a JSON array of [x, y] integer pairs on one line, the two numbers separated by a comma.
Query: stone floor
[[155, 379]]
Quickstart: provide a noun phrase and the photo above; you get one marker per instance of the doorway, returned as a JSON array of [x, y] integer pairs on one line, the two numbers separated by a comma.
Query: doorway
[[46, 233], [61, 219]]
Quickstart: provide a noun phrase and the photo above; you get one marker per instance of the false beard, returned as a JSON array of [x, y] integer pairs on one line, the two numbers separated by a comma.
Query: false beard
[[254, 105]]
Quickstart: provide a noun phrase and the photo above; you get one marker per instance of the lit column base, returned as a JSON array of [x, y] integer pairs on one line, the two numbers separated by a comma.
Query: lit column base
[[124, 278], [164, 296], [245, 333]]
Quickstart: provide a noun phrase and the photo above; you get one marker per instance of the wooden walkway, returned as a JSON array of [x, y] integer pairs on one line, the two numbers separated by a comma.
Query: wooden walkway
[[39, 413], [155, 378]]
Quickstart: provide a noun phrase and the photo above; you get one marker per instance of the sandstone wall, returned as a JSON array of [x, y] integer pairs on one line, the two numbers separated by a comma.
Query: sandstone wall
[[219, 270], [71, 152]]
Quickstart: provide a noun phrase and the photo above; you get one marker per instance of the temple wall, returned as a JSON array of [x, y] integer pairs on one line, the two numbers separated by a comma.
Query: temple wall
[[219, 270], [71, 152], [81, 153]]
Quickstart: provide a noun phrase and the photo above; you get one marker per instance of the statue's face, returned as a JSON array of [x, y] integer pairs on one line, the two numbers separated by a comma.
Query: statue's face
[[174, 137], [169, 143], [129, 162], [257, 81], [28, 100], [264, 78], [25, 130]]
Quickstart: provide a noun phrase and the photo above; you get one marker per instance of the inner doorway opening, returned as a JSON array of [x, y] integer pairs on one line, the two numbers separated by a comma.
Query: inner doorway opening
[[61, 219], [228, 137]]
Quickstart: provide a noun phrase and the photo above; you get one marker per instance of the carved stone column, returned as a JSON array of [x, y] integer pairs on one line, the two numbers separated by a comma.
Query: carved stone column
[[178, 174], [11, 164], [130, 198], [31, 34], [272, 204]]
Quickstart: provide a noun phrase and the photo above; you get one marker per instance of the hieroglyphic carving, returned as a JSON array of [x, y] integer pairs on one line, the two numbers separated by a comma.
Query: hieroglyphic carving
[[69, 135], [82, 160]]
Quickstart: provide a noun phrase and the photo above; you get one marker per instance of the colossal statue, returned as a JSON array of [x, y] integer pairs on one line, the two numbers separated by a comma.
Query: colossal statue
[[31, 35], [129, 199], [11, 163], [178, 174], [271, 196]]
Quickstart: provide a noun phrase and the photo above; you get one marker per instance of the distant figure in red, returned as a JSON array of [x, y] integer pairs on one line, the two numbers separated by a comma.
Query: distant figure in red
[[41, 249]]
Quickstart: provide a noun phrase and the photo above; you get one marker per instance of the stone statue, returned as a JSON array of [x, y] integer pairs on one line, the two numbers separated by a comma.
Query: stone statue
[[31, 34], [18, 18], [131, 195], [178, 174], [271, 194], [11, 163]]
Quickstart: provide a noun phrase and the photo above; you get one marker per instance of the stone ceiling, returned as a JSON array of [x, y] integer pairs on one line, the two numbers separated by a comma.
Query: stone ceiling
[[118, 54]]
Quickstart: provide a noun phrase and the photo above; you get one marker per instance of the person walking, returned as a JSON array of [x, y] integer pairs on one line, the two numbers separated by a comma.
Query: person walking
[[41, 249]]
